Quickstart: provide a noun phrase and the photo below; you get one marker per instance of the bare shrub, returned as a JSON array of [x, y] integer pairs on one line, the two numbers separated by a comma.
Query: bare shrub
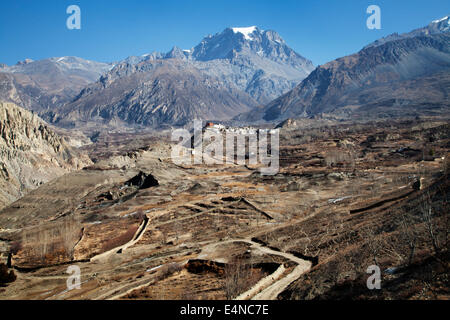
[[446, 164], [409, 236], [427, 216], [52, 241], [16, 246], [168, 269], [140, 215], [5, 276]]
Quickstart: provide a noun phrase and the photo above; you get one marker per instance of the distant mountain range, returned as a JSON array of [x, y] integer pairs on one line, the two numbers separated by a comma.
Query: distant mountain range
[[47, 84], [245, 74], [153, 93], [400, 75], [226, 74], [435, 27], [257, 62]]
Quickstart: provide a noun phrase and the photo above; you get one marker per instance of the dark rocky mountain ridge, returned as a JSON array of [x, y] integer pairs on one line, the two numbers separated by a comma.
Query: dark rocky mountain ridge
[[392, 74], [153, 93]]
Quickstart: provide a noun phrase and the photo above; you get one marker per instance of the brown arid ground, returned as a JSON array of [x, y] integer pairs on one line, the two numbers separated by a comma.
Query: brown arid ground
[[347, 196]]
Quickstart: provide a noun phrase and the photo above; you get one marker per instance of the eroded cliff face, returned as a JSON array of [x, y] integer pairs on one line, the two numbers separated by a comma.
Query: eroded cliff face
[[31, 153]]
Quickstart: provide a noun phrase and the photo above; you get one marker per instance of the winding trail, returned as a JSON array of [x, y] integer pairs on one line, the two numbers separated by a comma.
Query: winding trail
[[272, 285], [267, 288], [271, 292], [263, 283], [278, 283]]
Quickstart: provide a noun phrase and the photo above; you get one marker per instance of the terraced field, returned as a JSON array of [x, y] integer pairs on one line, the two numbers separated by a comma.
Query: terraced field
[[141, 227]]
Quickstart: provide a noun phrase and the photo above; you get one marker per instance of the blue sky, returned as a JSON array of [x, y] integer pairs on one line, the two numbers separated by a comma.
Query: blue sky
[[114, 29]]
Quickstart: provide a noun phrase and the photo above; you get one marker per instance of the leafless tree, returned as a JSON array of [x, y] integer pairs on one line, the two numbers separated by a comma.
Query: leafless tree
[[70, 233], [237, 275], [409, 234], [426, 211]]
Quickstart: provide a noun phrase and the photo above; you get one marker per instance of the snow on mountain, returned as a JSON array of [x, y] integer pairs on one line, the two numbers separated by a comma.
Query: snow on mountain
[[435, 27], [399, 75], [440, 20], [64, 64], [245, 31], [256, 61]]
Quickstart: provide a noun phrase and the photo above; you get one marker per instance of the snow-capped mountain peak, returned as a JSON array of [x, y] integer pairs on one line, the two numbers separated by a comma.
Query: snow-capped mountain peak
[[442, 19], [246, 31], [259, 62], [250, 42], [440, 25]]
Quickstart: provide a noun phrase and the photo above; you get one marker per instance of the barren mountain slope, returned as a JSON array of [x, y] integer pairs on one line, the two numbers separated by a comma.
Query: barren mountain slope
[[30, 153], [392, 76], [43, 84], [154, 93]]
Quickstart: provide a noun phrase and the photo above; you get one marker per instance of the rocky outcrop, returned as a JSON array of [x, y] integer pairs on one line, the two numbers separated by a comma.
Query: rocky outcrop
[[31, 153], [143, 181]]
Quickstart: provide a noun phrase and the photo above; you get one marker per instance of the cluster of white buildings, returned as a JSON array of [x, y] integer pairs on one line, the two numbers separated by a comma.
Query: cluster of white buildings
[[220, 128]]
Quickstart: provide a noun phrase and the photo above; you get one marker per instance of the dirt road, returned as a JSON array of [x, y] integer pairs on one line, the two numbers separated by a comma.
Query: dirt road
[[271, 286]]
